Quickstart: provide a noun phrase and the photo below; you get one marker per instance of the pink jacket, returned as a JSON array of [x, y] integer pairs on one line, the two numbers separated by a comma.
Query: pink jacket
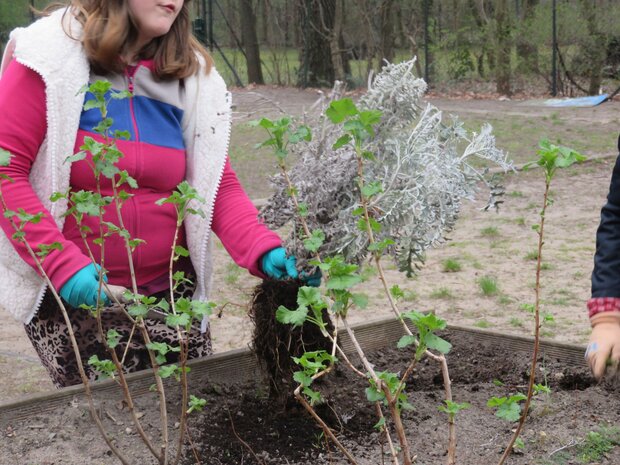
[[154, 145]]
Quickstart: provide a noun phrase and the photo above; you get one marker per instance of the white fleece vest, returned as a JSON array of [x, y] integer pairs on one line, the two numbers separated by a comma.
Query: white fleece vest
[[60, 60]]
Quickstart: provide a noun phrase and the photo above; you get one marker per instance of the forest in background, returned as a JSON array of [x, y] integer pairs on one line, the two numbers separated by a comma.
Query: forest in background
[[312, 43]]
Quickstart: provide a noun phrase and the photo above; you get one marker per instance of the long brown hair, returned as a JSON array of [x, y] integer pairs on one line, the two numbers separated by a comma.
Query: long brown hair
[[110, 32]]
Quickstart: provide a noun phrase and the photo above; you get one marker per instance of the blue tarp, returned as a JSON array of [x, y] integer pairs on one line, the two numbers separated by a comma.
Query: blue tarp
[[590, 101]]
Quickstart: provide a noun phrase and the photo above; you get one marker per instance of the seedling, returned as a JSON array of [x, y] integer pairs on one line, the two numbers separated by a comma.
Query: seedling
[[550, 159]]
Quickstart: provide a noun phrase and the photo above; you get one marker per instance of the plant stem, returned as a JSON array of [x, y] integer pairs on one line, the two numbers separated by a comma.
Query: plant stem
[[323, 425], [532, 379], [74, 344], [387, 433], [129, 399], [184, 346], [158, 382]]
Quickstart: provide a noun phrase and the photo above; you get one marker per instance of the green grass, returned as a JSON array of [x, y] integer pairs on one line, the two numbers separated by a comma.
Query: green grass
[[531, 255], [597, 444], [451, 265], [488, 286], [490, 231], [441, 293], [516, 322], [516, 194], [233, 272], [482, 324], [520, 221]]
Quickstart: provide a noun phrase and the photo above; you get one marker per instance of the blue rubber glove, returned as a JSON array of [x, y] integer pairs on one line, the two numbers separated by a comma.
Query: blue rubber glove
[[313, 279], [82, 288], [277, 265]]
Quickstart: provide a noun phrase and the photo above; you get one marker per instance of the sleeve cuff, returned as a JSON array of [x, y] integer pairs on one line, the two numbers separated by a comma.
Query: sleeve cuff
[[597, 305]]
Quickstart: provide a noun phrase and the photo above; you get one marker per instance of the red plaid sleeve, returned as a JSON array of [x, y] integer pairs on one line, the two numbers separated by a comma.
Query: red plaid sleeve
[[603, 304]]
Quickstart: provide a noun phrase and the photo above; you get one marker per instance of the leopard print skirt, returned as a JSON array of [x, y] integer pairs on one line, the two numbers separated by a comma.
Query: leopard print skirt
[[50, 337]]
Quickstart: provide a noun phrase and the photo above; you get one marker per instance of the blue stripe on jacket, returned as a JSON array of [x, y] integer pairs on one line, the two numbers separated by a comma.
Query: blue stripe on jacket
[[158, 123]]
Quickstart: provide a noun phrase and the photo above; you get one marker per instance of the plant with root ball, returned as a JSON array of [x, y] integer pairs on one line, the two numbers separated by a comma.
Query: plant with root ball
[[382, 177]]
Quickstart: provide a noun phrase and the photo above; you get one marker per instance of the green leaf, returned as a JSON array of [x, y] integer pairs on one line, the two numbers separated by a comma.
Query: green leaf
[[397, 292], [371, 189], [113, 338], [202, 309], [380, 424], [92, 104], [374, 395], [138, 310], [46, 249], [178, 320], [360, 300], [343, 282], [434, 342], [341, 109], [367, 155], [5, 157], [370, 117], [303, 209], [196, 404], [181, 251], [302, 378], [342, 141], [405, 341], [314, 397], [509, 411], [167, 371], [308, 296], [312, 244], [291, 317]]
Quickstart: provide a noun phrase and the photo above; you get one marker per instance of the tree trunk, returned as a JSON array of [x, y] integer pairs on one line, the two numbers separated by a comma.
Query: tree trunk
[[250, 41], [317, 22], [527, 51], [597, 47], [502, 37], [387, 32], [335, 42]]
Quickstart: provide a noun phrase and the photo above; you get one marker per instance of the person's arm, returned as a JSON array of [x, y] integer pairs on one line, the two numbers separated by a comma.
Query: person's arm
[[22, 129], [604, 306], [236, 223]]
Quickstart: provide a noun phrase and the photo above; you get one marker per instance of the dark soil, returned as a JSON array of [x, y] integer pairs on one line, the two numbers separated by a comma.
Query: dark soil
[[275, 343], [243, 425], [274, 435]]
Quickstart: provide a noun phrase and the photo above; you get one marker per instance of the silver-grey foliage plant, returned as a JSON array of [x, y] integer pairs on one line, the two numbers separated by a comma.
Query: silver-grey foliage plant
[[426, 167]]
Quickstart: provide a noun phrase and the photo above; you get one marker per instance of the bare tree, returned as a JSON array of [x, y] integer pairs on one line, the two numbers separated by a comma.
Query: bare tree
[[503, 33], [387, 30], [250, 41], [323, 57]]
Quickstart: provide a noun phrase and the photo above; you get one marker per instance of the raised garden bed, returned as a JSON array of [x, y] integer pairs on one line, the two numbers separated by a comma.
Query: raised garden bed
[[56, 428]]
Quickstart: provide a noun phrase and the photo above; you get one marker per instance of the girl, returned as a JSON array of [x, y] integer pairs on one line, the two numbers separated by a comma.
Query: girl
[[179, 119]]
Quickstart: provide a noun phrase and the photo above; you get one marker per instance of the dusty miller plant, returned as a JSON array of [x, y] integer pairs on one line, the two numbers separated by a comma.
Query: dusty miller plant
[[425, 166]]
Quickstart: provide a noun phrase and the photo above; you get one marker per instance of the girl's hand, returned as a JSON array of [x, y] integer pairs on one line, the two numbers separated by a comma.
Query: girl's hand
[[82, 287], [277, 265]]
